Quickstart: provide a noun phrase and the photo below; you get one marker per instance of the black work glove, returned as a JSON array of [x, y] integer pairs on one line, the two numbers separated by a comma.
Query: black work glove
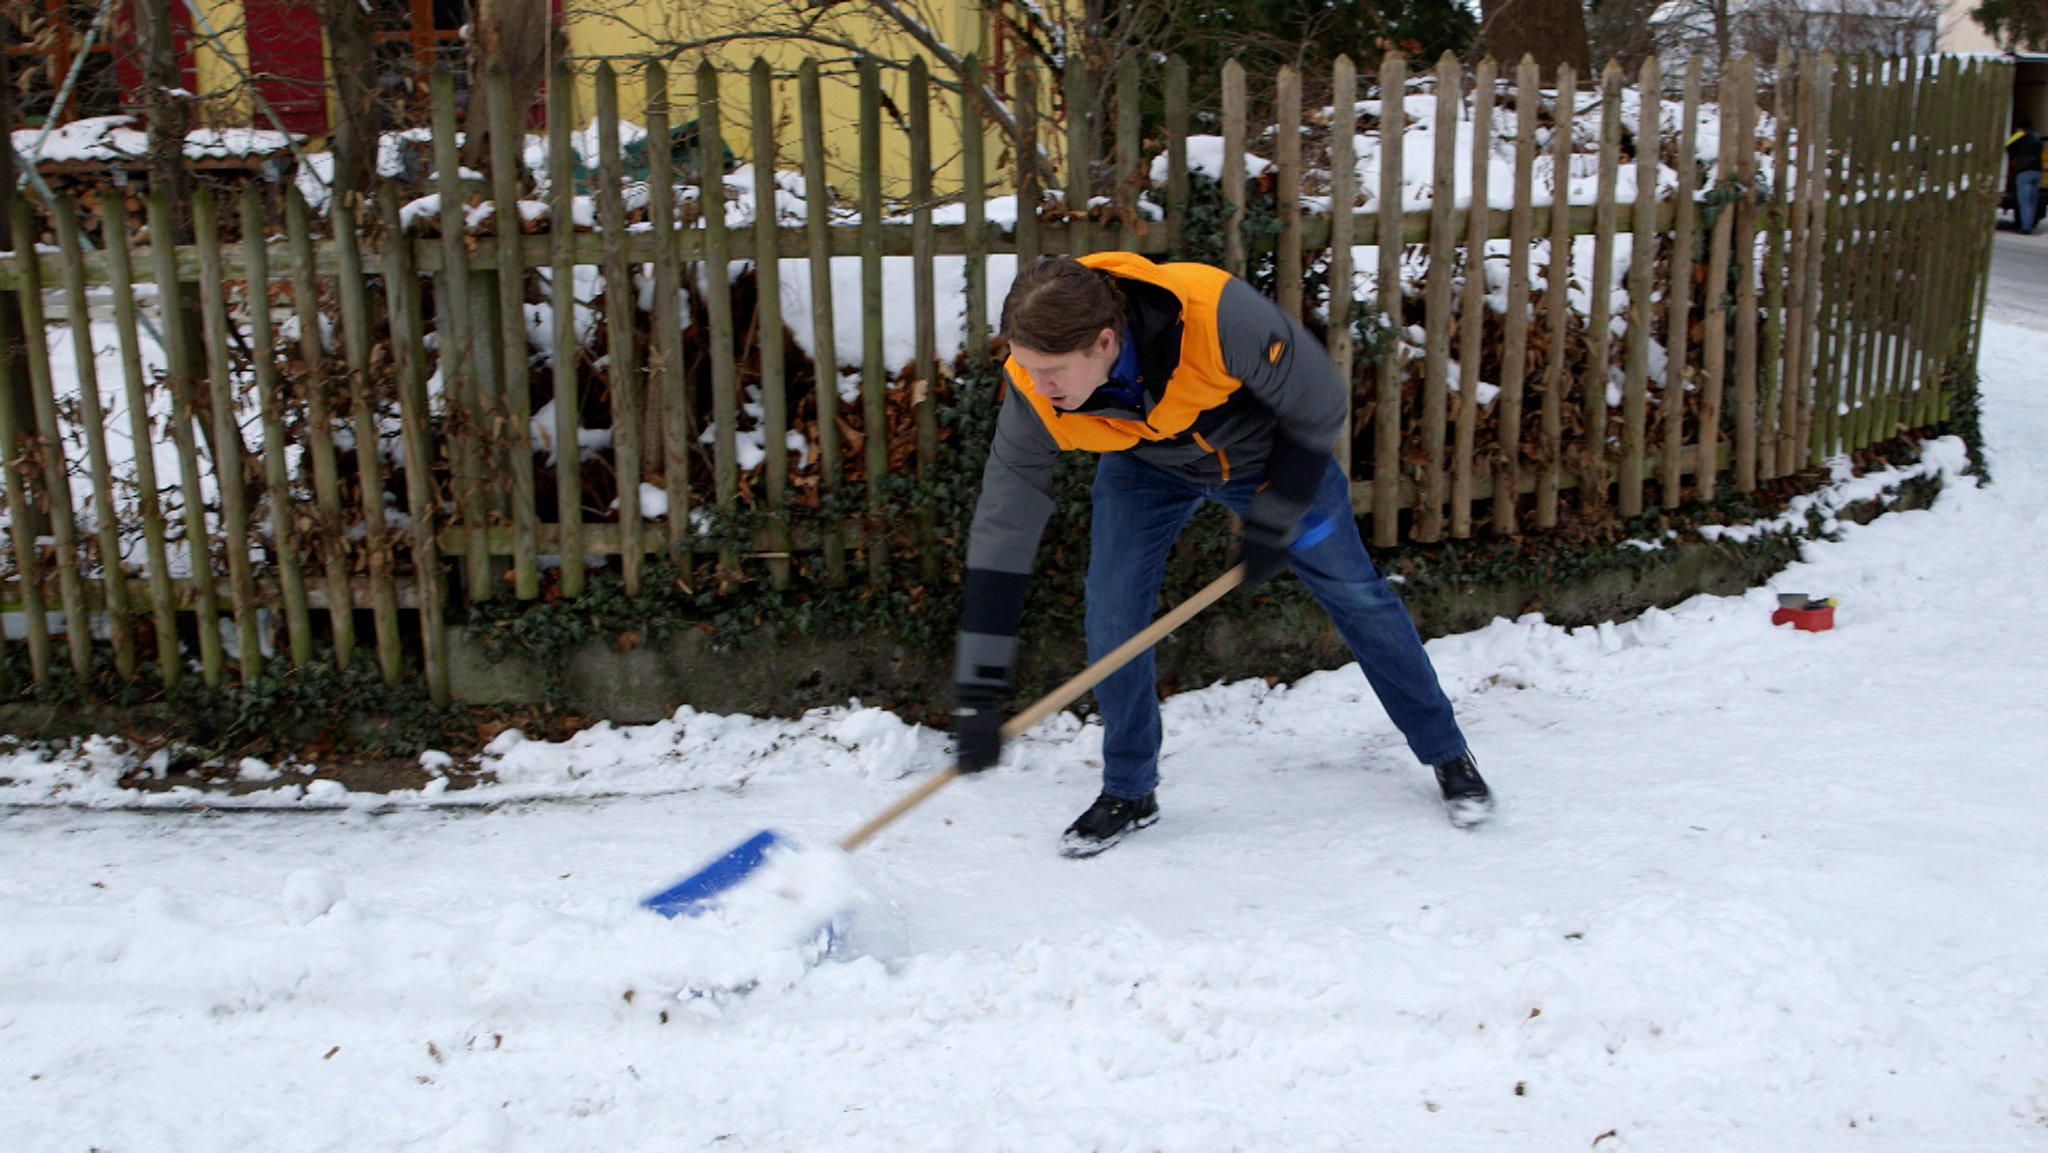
[[1264, 553], [977, 728], [1293, 471]]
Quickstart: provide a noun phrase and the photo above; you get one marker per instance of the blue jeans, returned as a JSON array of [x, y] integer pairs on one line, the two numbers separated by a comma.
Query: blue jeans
[[1138, 511], [2027, 191]]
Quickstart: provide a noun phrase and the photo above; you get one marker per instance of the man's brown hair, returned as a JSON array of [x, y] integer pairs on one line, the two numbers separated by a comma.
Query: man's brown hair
[[1058, 305]]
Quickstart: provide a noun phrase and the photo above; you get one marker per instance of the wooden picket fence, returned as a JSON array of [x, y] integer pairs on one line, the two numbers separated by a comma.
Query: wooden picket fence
[[1810, 297]]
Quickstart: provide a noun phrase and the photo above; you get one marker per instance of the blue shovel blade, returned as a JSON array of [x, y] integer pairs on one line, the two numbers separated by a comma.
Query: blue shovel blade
[[700, 890]]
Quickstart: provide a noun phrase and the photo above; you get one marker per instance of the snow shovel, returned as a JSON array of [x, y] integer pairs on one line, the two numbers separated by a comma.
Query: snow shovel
[[700, 891]]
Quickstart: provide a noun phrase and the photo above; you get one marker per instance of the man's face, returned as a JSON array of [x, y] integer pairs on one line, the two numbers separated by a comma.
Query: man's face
[[1068, 379]]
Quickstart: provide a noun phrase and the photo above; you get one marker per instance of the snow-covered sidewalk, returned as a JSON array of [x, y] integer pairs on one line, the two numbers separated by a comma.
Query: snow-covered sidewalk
[[1749, 889]]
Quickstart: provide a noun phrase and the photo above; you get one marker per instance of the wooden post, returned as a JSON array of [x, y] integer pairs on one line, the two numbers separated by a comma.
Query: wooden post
[[1234, 98], [1343, 227], [1714, 336], [565, 354], [456, 344], [622, 369], [339, 590], [227, 435], [768, 312], [1744, 267], [1287, 192], [1386, 413], [1177, 188], [1436, 293], [516, 361], [1635, 394], [1557, 300], [924, 296], [163, 597], [1821, 69], [1793, 379], [28, 562], [1129, 157], [974, 200], [353, 284], [1030, 194], [1778, 238], [1080, 97], [874, 373], [178, 362], [409, 355], [1514, 368], [93, 421], [718, 297], [269, 398], [1472, 302], [56, 489], [1593, 474], [818, 238], [1678, 304]]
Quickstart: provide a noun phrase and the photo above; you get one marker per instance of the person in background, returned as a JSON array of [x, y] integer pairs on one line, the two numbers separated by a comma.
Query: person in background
[[2023, 168], [1192, 387]]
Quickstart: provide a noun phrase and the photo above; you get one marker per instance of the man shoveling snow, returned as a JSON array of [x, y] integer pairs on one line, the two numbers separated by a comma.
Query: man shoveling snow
[[1192, 387]]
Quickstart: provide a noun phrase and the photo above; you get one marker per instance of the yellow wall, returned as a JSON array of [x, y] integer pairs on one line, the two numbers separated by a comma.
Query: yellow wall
[[626, 31]]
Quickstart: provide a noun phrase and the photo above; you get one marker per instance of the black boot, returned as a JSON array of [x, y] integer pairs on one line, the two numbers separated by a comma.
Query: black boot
[[1466, 798], [1105, 823]]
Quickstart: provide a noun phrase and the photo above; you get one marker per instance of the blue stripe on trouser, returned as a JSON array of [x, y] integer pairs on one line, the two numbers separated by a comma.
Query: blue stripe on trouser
[[1138, 510]]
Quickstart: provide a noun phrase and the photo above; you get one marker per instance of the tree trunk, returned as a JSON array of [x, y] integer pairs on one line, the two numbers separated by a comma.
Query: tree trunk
[[1551, 31], [347, 25], [519, 36]]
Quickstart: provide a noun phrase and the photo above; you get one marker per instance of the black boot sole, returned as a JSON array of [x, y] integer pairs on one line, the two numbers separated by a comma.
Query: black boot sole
[[1077, 848]]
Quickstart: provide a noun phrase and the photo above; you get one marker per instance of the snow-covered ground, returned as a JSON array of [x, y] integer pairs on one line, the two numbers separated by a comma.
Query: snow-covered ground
[[1749, 889]]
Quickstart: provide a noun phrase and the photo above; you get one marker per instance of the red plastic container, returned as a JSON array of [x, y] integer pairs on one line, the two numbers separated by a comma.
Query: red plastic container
[[1814, 620]]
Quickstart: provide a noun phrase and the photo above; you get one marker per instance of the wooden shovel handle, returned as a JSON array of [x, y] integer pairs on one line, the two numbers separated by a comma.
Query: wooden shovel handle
[[1058, 699]]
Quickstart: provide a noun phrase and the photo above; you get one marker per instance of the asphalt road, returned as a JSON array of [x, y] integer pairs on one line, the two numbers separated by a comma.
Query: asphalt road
[[2019, 278]]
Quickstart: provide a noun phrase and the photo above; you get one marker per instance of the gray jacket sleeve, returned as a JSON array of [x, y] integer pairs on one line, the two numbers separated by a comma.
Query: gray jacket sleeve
[[1287, 371], [1009, 518]]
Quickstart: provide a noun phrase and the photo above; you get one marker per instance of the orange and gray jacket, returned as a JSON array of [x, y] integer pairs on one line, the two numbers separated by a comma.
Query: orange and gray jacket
[[1230, 387]]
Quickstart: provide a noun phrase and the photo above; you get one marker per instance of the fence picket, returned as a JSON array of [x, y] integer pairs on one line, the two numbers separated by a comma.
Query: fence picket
[[1777, 232], [1472, 301], [1635, 394], [456, 345], [565, 353], [1678, 375], [356, 345], [1030, 192], [874, 374], [163, 599], [1129, 159], [1234, 97], [1177, 183], [228, 446], [56, 473], [1386, 413], [1744, 266], [1287, 192], [1593, 471], [817, 234], [1343, 221], [339, 592], [973, 196], [1556, 303], [178, 368], [92, 418], [717, 288], [19, 481], [514, 358], [402, 291], [630, 421], [924, 295], [1079, 93], [1436, 294]]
